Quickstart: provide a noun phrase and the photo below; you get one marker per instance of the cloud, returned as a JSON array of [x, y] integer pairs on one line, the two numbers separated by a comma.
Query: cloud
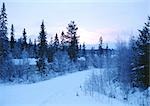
[[92, 37]]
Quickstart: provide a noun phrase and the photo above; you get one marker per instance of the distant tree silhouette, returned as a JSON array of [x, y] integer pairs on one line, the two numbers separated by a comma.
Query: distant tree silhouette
[[24, 40], [83, 49], [100, 45], [56, 43], [63, 45], [35, 48], [51, 50], [30, 48]]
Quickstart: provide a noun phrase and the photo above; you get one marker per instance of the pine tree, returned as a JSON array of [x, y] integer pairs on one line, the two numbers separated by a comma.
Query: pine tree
[[72, 40], [123, 63], [51, 50], [35, 49], [80, 47], [63, 41], [24, 40], [80, 50], [3, 22], [4, 46], [83, 49], [56, 42], [143, 53], [30, 48], [107, 50], [100, 45], [12, 39], [42, 50], [133, 60], [3, 34]]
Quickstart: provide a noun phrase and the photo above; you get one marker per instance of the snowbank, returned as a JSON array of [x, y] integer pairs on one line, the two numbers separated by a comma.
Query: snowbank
[[61, 91], [30, 61], [98, 83]]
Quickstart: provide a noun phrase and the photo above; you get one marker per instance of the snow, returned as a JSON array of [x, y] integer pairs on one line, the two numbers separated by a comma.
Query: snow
[[81, 59], [140, 67], [30, 61], [65, 90]]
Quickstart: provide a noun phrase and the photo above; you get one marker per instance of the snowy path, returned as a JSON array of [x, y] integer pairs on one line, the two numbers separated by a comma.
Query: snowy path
[[55, 92]]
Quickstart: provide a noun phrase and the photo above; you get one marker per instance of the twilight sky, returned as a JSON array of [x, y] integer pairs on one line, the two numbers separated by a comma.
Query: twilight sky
[[111, 19]]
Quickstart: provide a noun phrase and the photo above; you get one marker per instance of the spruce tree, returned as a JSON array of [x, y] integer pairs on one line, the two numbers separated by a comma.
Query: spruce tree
[[107, 50], [30, 48], [42, 50], [35, 49], [72, 40], [83, 49], [3, 22], [62, 41], [4, 45], [51, 50], [100, 52], [100, 45], [24, 40], [143, 56], [12, 39], [3, 34], [56, 42]]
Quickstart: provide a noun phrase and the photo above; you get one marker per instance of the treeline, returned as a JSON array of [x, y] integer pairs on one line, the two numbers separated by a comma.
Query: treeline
[[137, 57], [128, 79], [57, 56], [60, 56], [129, 76]]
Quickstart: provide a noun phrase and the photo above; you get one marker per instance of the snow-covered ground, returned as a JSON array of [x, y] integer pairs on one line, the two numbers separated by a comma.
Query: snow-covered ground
[[65, 90], [30, 61]]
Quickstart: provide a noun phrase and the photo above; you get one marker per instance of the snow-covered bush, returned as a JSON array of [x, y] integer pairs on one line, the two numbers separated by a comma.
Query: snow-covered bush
[[123, 62], [81, 63], [94, 60], [102, 83], [61, 63]]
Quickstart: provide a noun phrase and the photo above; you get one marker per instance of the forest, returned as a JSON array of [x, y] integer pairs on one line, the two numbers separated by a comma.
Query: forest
[[27, 61]]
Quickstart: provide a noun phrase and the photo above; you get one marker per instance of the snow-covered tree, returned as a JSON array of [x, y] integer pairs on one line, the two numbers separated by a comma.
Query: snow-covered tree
[[3, 22], [56, 43], [34, 49], [61, 63], [141, 67], [42, 50], [5, 63], [107, 58], [62, 42], [83, 50], [50, 51], [18, 48], [3, 34], [100, 52], [123, 63], [24, 40], [72, 40], [12, 39], [30, 48], [100, 46]]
